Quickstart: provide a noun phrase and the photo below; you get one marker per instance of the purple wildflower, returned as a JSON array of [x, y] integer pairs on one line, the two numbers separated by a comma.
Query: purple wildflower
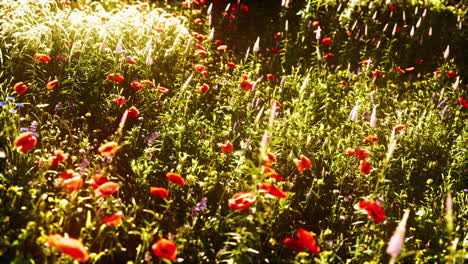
[[84, 164], [152, 138], [33, 126], [58, 106], [199, 207]]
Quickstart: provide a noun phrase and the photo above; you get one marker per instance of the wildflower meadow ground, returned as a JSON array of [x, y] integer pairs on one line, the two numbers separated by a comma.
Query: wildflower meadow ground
[[243, 131]]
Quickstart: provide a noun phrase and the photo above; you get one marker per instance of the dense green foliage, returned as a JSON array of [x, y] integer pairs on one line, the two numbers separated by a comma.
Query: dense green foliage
[[387, 64]]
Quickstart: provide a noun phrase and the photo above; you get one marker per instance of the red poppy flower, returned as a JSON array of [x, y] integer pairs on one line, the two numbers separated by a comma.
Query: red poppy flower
[[316, 23], [108, 149], [114, 219], [271, 77], [20, 88], [246, 85], [326, 41], [419, 61], [399, 127], [329, 55], [25, 141], [165, 248], [59, 156], [273, 174], [370, 139], [137, 85], [133, 112], [294, 244], [204, 88], [68, 174], [463, 102], [161, 89], [51, 85], [344, 84], [242, 201], [199, 68], [277, 35], [97, 180], [302, 163], [272, 190], [175, 178], [377, 73], [200, 47], [120, 100], [226, 147], [198, 21], [365, 167], [159, 192], [275, 50], [308, 240], [304, 240], [245, 8], [41, 57], [106, 189], [231, 65], [70, 246], [361, 153], [451, 74], [115, 77], [392, 7], [372, 208], [73, 184], [398, 69]]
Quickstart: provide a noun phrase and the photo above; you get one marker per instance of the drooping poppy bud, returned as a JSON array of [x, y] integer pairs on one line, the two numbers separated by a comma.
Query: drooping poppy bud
[[51, 84]]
